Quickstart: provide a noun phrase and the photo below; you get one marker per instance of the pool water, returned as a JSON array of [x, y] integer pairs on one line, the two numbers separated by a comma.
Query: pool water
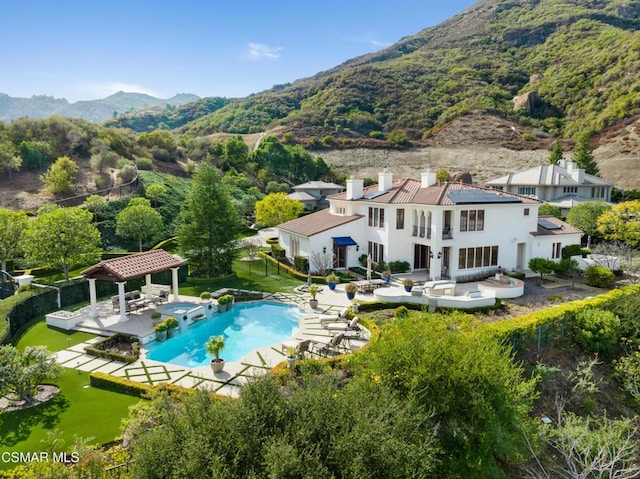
[[245, 328]]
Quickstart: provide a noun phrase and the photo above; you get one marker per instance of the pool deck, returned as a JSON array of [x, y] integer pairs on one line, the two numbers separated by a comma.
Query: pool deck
[[235, 374]]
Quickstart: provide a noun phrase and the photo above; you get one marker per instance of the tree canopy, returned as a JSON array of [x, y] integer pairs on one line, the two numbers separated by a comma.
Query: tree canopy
[[208, 224], [622, 223], [12, 224], [60, 176], [557, 153], [22, 371], [585, 217], [62, 238], [277, 208], [138, 221], [583, 156]]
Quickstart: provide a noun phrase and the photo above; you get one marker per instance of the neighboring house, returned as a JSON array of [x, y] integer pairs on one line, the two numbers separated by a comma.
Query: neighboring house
[[563, 185], [314, 193], [449, 230]]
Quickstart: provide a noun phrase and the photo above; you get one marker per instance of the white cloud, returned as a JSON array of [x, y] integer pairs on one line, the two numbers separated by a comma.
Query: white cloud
[[259, 51], [101, 90]]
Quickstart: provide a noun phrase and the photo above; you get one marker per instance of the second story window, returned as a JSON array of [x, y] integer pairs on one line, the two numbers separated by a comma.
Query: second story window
[[472, 220], [527, 190], [400, 219], [376, 217]]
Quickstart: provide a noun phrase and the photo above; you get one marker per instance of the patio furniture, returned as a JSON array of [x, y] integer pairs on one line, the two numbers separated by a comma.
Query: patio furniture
[[350, 326], [301, 347], [323, 349], [329, 318]]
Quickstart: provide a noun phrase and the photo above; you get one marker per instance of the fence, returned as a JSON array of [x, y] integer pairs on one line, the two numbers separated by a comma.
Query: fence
[[532, 343]]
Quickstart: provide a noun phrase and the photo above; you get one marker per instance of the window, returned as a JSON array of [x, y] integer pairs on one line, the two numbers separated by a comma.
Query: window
[[526, 211], [376, 217], [400, 219], [570, 189], [341, 210], [556, 250], [472, 220], [598, 192], [480, 257], [527, 190], [376, 250], [295, 246]]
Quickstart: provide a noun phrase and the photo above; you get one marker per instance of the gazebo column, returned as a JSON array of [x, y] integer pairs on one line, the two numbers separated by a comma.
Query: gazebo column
[[122, 301], [147, 278], [93, 297], [174, 277]]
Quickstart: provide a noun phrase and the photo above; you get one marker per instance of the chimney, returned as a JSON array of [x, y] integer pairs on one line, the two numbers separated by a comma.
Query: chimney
[[576, 173], [354, 189], [384, 180], [428, 179]]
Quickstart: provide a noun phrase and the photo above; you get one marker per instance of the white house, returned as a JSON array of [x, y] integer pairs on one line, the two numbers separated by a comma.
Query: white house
[[313, 194], [563, 185], [448, 230]]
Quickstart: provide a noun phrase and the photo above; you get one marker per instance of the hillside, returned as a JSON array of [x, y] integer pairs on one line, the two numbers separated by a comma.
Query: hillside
[[582, 55], [42, 106]]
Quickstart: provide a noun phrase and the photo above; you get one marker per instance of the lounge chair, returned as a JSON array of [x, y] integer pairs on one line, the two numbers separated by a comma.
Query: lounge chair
[[301, 347], [325, 348], [331, 318], [340, 326]]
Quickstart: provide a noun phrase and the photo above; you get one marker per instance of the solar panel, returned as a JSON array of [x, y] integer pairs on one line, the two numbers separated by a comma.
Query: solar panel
[[548, 225], [375, 194], [471, 197]]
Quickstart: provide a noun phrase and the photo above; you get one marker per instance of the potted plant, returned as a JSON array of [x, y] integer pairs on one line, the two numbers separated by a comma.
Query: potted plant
[[386, 276], [355, 306], [214, 346], [155, 317], [291, 357], [351, 290], [408, 284], [225, 302], [205, 297], [161, 331], [172, 325], [313, 291], [332, 279]]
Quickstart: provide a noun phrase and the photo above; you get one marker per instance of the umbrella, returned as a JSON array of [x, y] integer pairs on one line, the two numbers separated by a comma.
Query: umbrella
[[368, 267]]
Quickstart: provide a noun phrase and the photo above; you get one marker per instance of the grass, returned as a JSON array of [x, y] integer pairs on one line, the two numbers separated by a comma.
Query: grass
[[38, 333], [78, 410], [247, 275]]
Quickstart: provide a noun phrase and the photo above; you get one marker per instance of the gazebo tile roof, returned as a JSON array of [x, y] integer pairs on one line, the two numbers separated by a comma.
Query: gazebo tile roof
[[133, 266]]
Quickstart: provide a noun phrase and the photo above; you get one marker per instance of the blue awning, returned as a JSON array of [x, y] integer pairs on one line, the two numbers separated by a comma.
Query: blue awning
[[344, 241]]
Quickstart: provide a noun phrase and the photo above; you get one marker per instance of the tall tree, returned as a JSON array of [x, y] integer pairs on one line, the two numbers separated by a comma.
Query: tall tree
[[236, 151], [583, 156], [557, 153], [622, 223], [60, 176], [208, 224], [154, 192], [277, 208], [12, 225], [547, 209], [585, 217], [62, 238], [95, 204], [9, 159], [138, 221], [22, 371]]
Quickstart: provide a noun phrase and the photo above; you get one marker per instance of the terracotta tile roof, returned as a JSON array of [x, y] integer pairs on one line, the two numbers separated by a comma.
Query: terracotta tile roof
[[409, 191], [315, 223], [133, 266], [554, 227]]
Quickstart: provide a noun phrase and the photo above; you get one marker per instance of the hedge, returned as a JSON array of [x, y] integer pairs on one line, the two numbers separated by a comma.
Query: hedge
[[131, 388], [95, 349], [528, 323], [18, 310]]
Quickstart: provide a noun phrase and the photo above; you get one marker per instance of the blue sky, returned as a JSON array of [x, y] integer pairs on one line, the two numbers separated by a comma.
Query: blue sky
[[83, 50]]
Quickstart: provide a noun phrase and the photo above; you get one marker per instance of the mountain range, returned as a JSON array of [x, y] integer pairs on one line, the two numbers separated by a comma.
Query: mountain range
[[42, 106]]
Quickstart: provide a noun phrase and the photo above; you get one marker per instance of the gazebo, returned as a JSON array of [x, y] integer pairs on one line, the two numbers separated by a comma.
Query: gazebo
[[119, 270]]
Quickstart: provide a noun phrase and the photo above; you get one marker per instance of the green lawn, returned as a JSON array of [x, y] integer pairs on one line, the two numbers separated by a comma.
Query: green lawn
[[247, 276], [77, 411], [38, 333]]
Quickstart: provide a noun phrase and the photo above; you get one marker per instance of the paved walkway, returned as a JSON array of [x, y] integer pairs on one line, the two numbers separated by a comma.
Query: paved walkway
[[235, 373]]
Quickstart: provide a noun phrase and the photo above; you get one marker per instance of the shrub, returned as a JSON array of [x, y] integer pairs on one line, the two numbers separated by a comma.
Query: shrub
[[301, 263], [399, 266], [160, 327], [127, 173], [628, 373], [408, 282], [571, 250], [598, 276], [156, 315], [597, 331], [400, 312], [104, 348], [277, 251], [332, 278], [205, 295], [144, 164], [171, 322]]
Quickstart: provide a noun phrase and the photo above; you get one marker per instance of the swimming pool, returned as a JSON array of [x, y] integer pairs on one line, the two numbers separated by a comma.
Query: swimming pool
[[245, 328]]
